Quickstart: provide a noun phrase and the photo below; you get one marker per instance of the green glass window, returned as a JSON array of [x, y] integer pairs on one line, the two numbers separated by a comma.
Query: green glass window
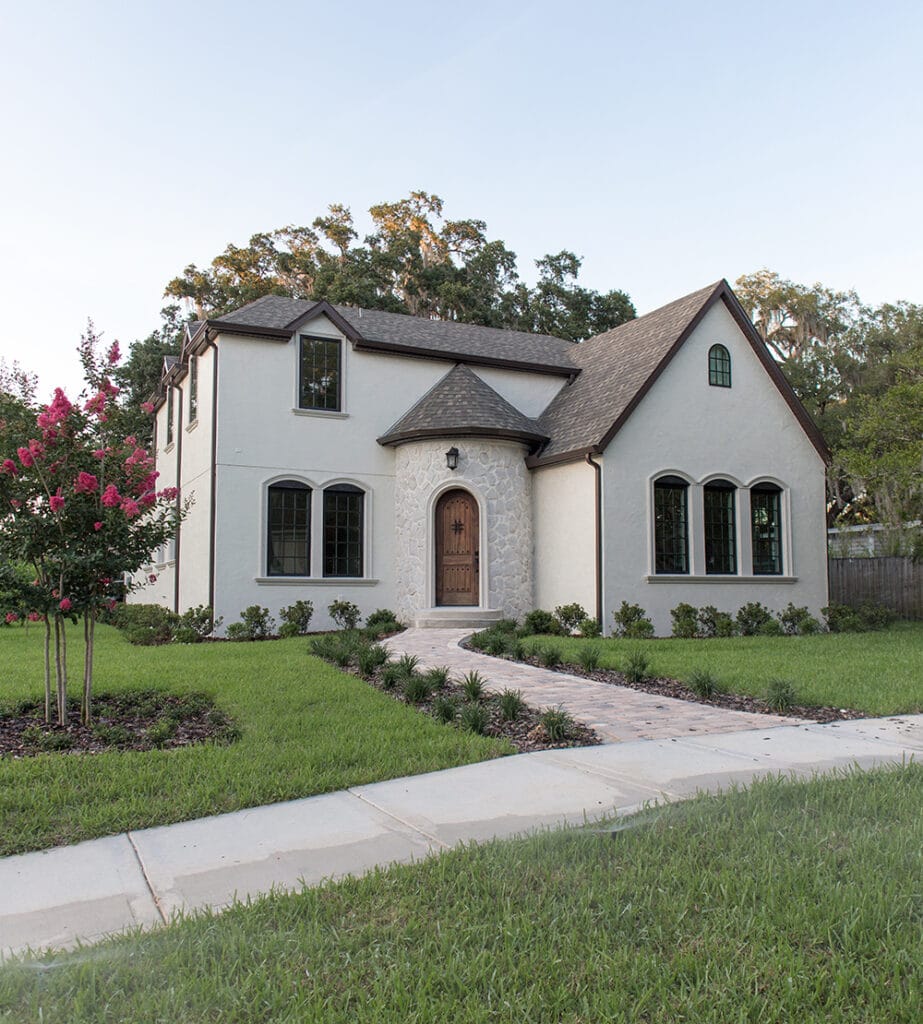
[[719, 367], [766, 529], [720, 527], [169, 416], [288, 551], [319, 381], [671, 525], [193, 388], [344, 510]]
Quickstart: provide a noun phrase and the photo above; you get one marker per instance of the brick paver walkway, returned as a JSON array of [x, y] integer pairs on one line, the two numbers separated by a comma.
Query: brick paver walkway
[[616, 712]]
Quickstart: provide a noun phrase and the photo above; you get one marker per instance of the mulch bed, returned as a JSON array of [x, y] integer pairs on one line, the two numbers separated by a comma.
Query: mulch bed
[[674, 688], [133, 720]]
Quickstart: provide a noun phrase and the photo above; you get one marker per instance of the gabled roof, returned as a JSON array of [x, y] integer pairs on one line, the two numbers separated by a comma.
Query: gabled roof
[[461, 404], [620, 366], [275, 316]]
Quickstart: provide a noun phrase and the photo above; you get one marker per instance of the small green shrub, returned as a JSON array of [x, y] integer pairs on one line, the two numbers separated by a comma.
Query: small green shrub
[[771, 627], [288, 630], [344, 613], [370, 658], [416, 688], [437, 677], [632, 623], [195, 624], [445, 708], [161, 732], [495, 644], [381, 617], [322, 646], [112, 735], [685, 620], [780, 694], [637, 667], [875, 616], [407, 664], [342, 654], [557, 723], [713, 623], [540, 621], [569, 616], [704, 684], [511, 704], [255, 624], [589, 627], [35, 736], [505, 626], [473, 687], [515, 648], [479, 639], [550, 656], [474, 718], [752, 617], [391, 675], [298, 615], [236, 631], [588, 657], [146, 624]]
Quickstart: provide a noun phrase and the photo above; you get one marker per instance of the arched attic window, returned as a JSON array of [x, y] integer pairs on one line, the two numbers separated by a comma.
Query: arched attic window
[[719, 367], [671, 525]]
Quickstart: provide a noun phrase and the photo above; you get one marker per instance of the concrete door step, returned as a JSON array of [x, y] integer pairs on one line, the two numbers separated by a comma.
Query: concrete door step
[[456, 618]]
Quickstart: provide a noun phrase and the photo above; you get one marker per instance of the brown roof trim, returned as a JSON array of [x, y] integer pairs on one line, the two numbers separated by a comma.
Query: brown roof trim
[[419, 352], [576, 455], [324, 308], [395, 440], [228, 327], [724, 292]]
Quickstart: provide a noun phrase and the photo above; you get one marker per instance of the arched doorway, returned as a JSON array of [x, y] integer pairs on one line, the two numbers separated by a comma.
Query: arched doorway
[[457, 532]]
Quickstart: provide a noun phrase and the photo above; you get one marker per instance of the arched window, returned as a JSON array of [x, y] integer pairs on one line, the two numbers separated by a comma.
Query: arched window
[[671, 525], [288, 546], [344, 530], [720, 527], [719, 367], [766, 529]]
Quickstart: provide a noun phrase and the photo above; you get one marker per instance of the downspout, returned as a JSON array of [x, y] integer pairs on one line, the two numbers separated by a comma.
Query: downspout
[[179, 480], [214, 479], [599, 538]]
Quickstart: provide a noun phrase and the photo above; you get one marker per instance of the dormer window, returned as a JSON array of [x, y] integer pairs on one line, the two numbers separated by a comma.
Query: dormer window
[[719, 367], [320, 374]]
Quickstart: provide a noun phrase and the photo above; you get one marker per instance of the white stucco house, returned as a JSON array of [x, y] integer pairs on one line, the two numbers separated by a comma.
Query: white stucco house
[[457, 473]]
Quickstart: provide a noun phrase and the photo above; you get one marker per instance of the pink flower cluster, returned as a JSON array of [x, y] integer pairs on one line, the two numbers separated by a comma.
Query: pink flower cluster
[[56, 501], [86, 483], [11, 617], [55, 413]]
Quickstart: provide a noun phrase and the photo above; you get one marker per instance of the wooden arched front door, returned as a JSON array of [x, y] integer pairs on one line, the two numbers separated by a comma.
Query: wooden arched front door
[[457, 549]]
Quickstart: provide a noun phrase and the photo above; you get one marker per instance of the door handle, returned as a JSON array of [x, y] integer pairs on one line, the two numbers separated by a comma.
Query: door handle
[[477, 560]]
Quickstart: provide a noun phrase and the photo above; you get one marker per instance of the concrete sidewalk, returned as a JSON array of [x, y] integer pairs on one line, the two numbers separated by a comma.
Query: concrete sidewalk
[[56, 897]]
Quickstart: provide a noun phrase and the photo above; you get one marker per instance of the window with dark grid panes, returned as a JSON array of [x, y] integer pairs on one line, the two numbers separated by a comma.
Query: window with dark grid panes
[[720, 527], [671, 525], [766, 529], [719, 367], [344, 509], [320, 375], [288, 551]]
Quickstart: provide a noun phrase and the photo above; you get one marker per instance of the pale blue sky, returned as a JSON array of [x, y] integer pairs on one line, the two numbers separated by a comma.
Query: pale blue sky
[[667, 143]]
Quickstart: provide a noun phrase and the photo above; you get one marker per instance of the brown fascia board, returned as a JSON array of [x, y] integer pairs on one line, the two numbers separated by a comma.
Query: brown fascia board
[[575, 455], [324, 308], [395, 440], [250, 330], [417, 352]]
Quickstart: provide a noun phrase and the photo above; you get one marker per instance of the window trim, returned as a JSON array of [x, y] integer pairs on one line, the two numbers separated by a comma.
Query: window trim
[[287, 484], [719, 366], [663, 482], [314, 410], [721, 485]]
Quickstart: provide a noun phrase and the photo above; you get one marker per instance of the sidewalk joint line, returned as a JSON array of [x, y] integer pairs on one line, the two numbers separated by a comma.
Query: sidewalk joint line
[[147, 881], [401, 821]]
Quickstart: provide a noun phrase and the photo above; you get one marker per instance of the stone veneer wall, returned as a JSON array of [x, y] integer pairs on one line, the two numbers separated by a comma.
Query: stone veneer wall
[[495, 472]]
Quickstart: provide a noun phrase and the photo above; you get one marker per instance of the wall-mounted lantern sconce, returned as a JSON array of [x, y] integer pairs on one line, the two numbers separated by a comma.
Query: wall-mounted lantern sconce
[[451, 458]]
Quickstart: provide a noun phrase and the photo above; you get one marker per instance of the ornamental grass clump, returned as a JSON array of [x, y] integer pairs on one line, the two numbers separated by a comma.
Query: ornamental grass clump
[[391, 676], [445, 708], [588, 657], [780, 694], [474, 717], [474, 687], [407, 664], [437, 677], [511, 704], [416, 688], [550, 656], [637, 667], [704, 684], [370, 658], [494, 644], [557, 723]]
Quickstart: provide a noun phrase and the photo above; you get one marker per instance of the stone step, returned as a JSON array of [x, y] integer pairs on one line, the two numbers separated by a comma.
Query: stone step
[[456, 618]]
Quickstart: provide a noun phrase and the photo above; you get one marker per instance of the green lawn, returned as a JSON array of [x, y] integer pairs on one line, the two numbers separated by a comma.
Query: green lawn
[[307, 728], [793, 901], [880, 673]]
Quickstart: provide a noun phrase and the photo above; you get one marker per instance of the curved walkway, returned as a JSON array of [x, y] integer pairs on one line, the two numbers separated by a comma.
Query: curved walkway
[[617, 713]]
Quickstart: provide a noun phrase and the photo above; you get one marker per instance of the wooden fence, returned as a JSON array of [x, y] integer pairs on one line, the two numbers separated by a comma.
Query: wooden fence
[[896, 583]]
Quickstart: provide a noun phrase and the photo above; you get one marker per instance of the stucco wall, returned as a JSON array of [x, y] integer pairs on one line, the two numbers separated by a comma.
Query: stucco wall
[[564, 503], [744, 433], [495, 473]]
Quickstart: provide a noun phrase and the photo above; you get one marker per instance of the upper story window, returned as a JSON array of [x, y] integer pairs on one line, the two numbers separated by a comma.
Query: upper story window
[[719, 367], [671, 525], [766, 529], [320, 374], [193, 388], [720, 508], [344, 530], [169, 416], [288, 548]]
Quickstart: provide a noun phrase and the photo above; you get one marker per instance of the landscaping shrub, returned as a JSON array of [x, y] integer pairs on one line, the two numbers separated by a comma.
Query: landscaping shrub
[[445, 708], [416, 688], [637, 667], [473, 687], [298, 615], [842, 618], [772, 627], [195, 624], [632, 622], [344, 613], [474, 718], [685, 620], [751, 617], [588, 657], [780, 694], [797, 621], [437, 677], [288, 630], [569, 616], [589, 627], [255, 624], [550, 656], [370, 658], [495, 644], [703, 683], [714, 623], [557, 723], [382, 623], [515, 648], [407, 664], [322, 646], [505, 626], [540, 621], [391, 675], [146, 624], [876, 616], [381, 617], [511, 705]]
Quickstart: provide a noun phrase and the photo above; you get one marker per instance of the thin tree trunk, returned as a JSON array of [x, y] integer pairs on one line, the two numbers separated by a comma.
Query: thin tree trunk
[[47, 671], [60, 664], [89, 628]]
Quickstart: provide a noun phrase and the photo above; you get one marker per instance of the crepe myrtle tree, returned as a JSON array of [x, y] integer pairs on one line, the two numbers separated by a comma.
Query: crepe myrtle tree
[[79, 505]]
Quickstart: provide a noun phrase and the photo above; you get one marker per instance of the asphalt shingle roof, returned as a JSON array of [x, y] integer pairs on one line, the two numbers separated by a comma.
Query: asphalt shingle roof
[[463, 404]]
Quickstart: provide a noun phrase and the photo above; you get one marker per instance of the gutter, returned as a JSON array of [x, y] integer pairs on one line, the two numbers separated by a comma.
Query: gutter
[[212, 528], [599, 538], [179, 470]]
